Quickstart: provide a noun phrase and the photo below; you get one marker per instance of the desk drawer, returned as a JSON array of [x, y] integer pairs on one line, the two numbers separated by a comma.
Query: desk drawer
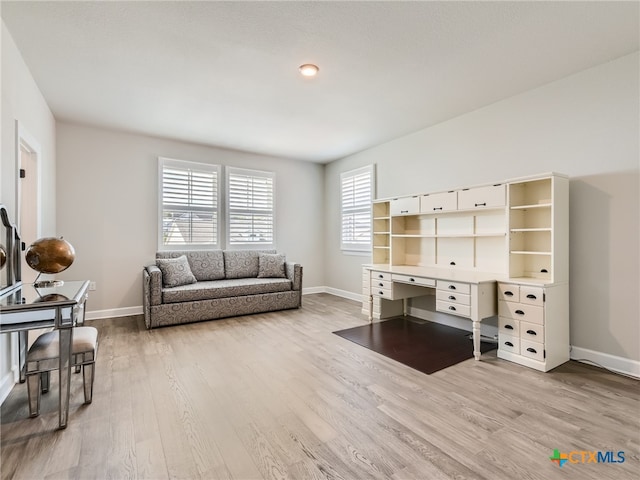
[[532, 295], [377, 284], [382, 292], [532, 332], [380, 275], [46, 314], [454, 286], [453, 308], [520, 311], [508, 292], [426, 282], [509, 326], [533, 350], [508, 343], [453, 297]]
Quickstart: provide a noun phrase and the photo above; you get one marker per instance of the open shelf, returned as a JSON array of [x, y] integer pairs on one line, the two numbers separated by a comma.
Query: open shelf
[[528, 252], [530, 230], [531, 206]]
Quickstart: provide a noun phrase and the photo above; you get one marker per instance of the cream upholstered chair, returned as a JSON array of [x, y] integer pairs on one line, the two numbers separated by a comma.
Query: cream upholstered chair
[[42, 358]]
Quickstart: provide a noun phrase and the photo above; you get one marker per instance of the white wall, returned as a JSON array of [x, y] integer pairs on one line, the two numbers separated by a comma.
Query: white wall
[[585, 126], [23, 101], [107, 208]]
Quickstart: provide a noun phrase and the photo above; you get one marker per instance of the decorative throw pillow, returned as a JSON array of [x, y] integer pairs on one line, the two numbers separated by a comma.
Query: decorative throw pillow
[[207, 265], [240, 263], [271, 265], [175, 271]]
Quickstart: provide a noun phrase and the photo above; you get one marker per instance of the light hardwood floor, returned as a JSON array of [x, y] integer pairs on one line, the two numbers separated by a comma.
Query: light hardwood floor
[[277, 396]]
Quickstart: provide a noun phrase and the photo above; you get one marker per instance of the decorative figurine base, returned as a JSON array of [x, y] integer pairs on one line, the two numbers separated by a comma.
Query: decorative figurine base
[[48, 283]]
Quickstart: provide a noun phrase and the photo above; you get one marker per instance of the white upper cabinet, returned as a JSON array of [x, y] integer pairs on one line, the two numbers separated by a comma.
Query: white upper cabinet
[[492, 196], [516, 229], [405, 205], [439, 202]]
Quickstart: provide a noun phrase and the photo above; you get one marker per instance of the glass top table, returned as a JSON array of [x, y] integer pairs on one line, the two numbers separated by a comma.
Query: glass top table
[[61, 307]]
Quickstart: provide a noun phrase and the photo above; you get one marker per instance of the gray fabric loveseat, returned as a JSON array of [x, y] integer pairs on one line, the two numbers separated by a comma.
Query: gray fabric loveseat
[[190, 286]]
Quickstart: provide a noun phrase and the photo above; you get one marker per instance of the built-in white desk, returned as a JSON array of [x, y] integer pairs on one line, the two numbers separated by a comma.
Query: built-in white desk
[[466, 294], [499, 248]]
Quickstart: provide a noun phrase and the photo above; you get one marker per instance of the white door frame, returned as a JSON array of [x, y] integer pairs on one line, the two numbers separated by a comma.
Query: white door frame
[[24, 140]]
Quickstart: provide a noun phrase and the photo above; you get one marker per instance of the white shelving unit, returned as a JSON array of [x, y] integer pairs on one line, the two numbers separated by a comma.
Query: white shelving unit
[[517, 229]]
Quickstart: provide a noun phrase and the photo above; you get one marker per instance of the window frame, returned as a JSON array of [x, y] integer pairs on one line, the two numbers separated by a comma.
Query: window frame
[[217, 209], [354, 248], [229, 172]]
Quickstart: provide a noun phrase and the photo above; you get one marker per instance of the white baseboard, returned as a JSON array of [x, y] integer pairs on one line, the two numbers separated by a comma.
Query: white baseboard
[[312, 290], [114, 312], [343, 293], [622, 365], [6, 384]]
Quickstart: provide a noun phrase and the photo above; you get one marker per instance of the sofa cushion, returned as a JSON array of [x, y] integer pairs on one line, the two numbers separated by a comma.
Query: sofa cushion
[[205, 264], [271, 265], [175, 271], [242, 263], [224, 288]]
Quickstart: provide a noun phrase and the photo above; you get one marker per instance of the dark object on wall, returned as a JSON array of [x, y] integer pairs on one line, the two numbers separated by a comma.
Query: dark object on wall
[[10, 252]]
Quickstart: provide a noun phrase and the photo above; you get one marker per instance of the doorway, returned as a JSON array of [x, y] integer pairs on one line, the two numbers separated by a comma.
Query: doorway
[[28, 218], [28, 195]]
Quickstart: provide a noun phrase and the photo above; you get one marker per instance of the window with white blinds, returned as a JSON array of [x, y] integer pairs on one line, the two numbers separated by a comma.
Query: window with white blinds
[[189, 204], [250, 207], [356, 195]]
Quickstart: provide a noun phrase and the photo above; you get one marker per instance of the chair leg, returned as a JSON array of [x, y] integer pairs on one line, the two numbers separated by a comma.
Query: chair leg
[[88, 374], [33, 390], [44, 381]]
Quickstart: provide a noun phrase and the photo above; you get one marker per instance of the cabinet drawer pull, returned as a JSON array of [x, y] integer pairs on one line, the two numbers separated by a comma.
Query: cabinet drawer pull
[[508, 327], [481, 204], [381, 292], [404, 211], [531, 332], [412, 279], [531, 350], [380, 276], [508, 344], [452, 287], [452, 263], [451, 307], [437, 208], [451, 297], [519, 312], [508, 293], [531, 296], [381, 284]]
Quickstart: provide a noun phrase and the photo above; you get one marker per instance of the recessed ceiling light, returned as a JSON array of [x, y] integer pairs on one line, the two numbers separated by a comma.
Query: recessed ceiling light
[[309, 70]]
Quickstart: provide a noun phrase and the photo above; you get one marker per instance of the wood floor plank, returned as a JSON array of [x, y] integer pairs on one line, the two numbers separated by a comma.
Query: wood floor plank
[[279, 396]]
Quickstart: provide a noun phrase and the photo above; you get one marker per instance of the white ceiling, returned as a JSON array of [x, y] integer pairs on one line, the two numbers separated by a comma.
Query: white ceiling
[[226, 73]]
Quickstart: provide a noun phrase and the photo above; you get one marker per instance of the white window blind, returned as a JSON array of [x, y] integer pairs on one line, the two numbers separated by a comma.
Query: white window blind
[[356, 189], [250, 207], [189, 204]]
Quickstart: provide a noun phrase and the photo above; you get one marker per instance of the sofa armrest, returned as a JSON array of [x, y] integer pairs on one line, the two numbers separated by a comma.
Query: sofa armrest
[[294, 273], [152, 284]]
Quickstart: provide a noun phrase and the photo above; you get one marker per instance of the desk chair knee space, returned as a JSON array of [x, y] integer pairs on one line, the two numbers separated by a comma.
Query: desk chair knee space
[[43, 357]]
